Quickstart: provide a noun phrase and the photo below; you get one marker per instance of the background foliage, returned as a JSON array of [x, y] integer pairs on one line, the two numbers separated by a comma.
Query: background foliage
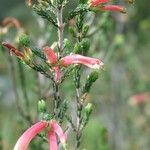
[[123, 42]]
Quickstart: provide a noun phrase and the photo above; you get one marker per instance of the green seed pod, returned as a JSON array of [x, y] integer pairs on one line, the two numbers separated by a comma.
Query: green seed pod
[[24, 40], [42, 106], [77, 48]]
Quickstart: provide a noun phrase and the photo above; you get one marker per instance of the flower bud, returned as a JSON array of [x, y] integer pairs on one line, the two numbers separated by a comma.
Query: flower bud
[[72, 31], [88, 108], [77, 48], [42, 106], [67, 46], [89, 81], [85, 45], [85, 30], [93, 76], [24, 40]]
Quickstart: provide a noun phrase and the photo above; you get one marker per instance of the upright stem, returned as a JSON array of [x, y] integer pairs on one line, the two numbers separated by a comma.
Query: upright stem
[[79, 107], [57, 97], [60, 28]]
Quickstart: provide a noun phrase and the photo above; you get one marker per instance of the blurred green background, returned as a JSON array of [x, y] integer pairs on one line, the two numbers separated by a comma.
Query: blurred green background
[[123, 43]]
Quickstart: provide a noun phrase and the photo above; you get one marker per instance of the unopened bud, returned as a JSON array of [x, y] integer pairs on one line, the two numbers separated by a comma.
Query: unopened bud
[[85, 30], [88, 108], [77, 48], [42, 106], [85, 44], [89, 81], [72, 31], [93, 76], [24, 40]]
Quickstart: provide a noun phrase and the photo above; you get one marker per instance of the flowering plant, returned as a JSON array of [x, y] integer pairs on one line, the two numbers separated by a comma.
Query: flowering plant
[[57, 62]]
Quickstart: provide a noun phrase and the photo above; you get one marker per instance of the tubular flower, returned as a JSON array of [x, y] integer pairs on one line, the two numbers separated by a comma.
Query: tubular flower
[[57, 73], [28, 135], [14, 50], [24, 141], [116, 8], [58, 130], [52, 140], [70, 59], [94, 3], [79, 59], [52, 59], [25, 56], [8, 21], [138, 99]]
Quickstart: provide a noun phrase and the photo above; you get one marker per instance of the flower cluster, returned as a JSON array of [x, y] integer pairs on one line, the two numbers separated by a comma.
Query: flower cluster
[[54, 61], [53, 129], [102, 5]]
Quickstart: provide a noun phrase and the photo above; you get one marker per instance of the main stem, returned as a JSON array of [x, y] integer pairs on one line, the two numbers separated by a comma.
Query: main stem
[[60, 28], [57, 97]]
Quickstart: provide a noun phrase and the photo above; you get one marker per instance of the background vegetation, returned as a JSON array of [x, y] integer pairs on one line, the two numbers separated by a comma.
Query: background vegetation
[[123, 43]]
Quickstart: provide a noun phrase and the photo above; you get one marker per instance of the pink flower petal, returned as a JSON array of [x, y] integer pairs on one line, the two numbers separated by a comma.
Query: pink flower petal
[[95, 3], [57, 73], [52, 58], [52, 140], [56, 128], [116, 8], [8, 21], [79, 59], [28, 135]]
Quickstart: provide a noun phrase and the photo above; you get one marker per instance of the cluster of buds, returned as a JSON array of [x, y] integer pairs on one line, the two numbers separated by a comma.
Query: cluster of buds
[[102, 5], [53, 130]]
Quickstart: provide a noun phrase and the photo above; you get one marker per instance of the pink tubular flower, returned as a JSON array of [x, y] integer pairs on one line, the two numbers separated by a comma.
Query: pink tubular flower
[[25, 139], [52, 140], [139, 98], [58, 130], [95, 3], [57, 73], [52, 58], [14, 50], [116, 8], [79, 59], [8, 21]]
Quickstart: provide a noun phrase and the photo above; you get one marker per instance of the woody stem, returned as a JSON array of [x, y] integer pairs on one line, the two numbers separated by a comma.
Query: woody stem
[[60, 28]]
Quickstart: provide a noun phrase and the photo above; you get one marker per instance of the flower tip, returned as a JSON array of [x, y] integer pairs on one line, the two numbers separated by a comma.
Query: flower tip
[[52, 57], [30, 3], [123, 10]]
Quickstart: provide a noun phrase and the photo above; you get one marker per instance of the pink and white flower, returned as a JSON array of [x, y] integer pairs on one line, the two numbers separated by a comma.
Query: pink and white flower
[[79, 59], [55, 129], [52, 140], [28, 135], [58, 130], [115, 8], [94, 3]]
